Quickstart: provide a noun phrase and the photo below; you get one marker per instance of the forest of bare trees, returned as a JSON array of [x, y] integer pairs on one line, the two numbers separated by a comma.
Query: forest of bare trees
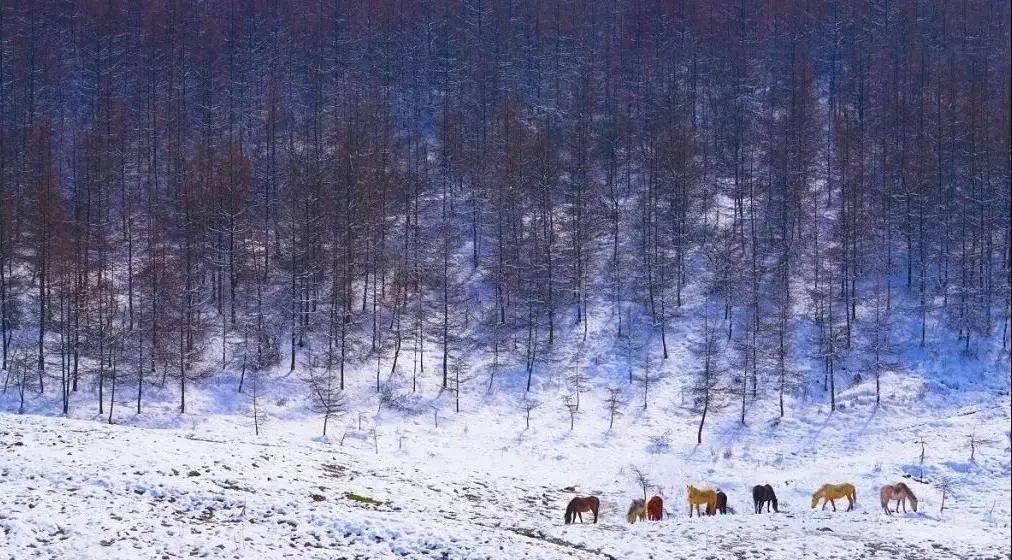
[[367, 193]]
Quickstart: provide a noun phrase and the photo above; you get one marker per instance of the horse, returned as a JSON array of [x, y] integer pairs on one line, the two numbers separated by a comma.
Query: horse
[[636, 511], [764, 496], [899, 492], [655, 508], [578, 505], [702, 496], [832, 492], [721, 502]]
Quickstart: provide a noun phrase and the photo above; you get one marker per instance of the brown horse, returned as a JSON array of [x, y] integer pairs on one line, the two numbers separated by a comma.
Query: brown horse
[[721, 503], [832, 492], [636, 511], [655, 508], [578, 505], [899, 492], [702, 496]]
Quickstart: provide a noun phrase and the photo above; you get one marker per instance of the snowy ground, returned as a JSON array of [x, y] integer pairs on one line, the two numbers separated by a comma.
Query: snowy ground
[[481, 486]]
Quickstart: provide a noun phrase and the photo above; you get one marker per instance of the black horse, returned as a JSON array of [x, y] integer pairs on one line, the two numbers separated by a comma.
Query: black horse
[[764, 495]]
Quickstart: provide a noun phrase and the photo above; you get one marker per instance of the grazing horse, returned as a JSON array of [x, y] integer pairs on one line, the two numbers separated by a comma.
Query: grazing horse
[[636, 511], [702, 496], [764, 496], [832, 492], [578, 505], [899, 492], [721, 502], [655, 508]]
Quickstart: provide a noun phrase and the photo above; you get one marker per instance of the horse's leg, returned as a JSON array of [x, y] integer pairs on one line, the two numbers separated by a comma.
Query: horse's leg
[[904, 502], [580, 514], [595, 515], [833, 503]]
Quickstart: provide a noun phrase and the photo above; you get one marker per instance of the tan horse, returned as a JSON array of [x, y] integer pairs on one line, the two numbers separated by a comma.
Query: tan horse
[[702, 496], [579, 505], [899, 492], [637, 511], [832, 492]]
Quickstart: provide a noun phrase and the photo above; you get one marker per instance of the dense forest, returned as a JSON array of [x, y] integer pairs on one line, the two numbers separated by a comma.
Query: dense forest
[[379, 193]]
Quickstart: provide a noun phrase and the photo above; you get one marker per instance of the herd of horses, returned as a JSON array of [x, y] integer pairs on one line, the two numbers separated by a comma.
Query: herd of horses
[[715, 501]]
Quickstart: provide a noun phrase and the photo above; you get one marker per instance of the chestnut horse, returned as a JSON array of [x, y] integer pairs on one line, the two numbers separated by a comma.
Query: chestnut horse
[[832, 492], [655, 508], [899, 492], [702, 496], [578, 505]]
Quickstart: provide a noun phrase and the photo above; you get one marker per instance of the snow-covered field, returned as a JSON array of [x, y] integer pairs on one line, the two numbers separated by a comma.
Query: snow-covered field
[[481, 486]]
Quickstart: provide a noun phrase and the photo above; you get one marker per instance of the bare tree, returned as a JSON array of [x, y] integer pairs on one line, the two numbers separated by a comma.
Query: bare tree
[[573, 408], [641, 479], [528, 406], [327, 397], [614, 403]]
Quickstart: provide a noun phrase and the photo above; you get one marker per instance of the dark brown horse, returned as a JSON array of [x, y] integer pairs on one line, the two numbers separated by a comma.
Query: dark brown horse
[[578, 505], [721, 502], [764, 496]]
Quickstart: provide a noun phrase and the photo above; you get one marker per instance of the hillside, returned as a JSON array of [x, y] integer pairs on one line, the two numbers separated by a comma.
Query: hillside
[[481, 486]]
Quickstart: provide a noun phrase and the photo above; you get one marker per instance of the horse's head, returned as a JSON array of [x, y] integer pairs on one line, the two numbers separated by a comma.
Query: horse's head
[[568, 517], [815, 498], [775, 505], [913, 501]]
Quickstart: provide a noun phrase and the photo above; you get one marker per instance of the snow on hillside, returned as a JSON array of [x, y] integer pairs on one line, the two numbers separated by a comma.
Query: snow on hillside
[[481, 486]]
